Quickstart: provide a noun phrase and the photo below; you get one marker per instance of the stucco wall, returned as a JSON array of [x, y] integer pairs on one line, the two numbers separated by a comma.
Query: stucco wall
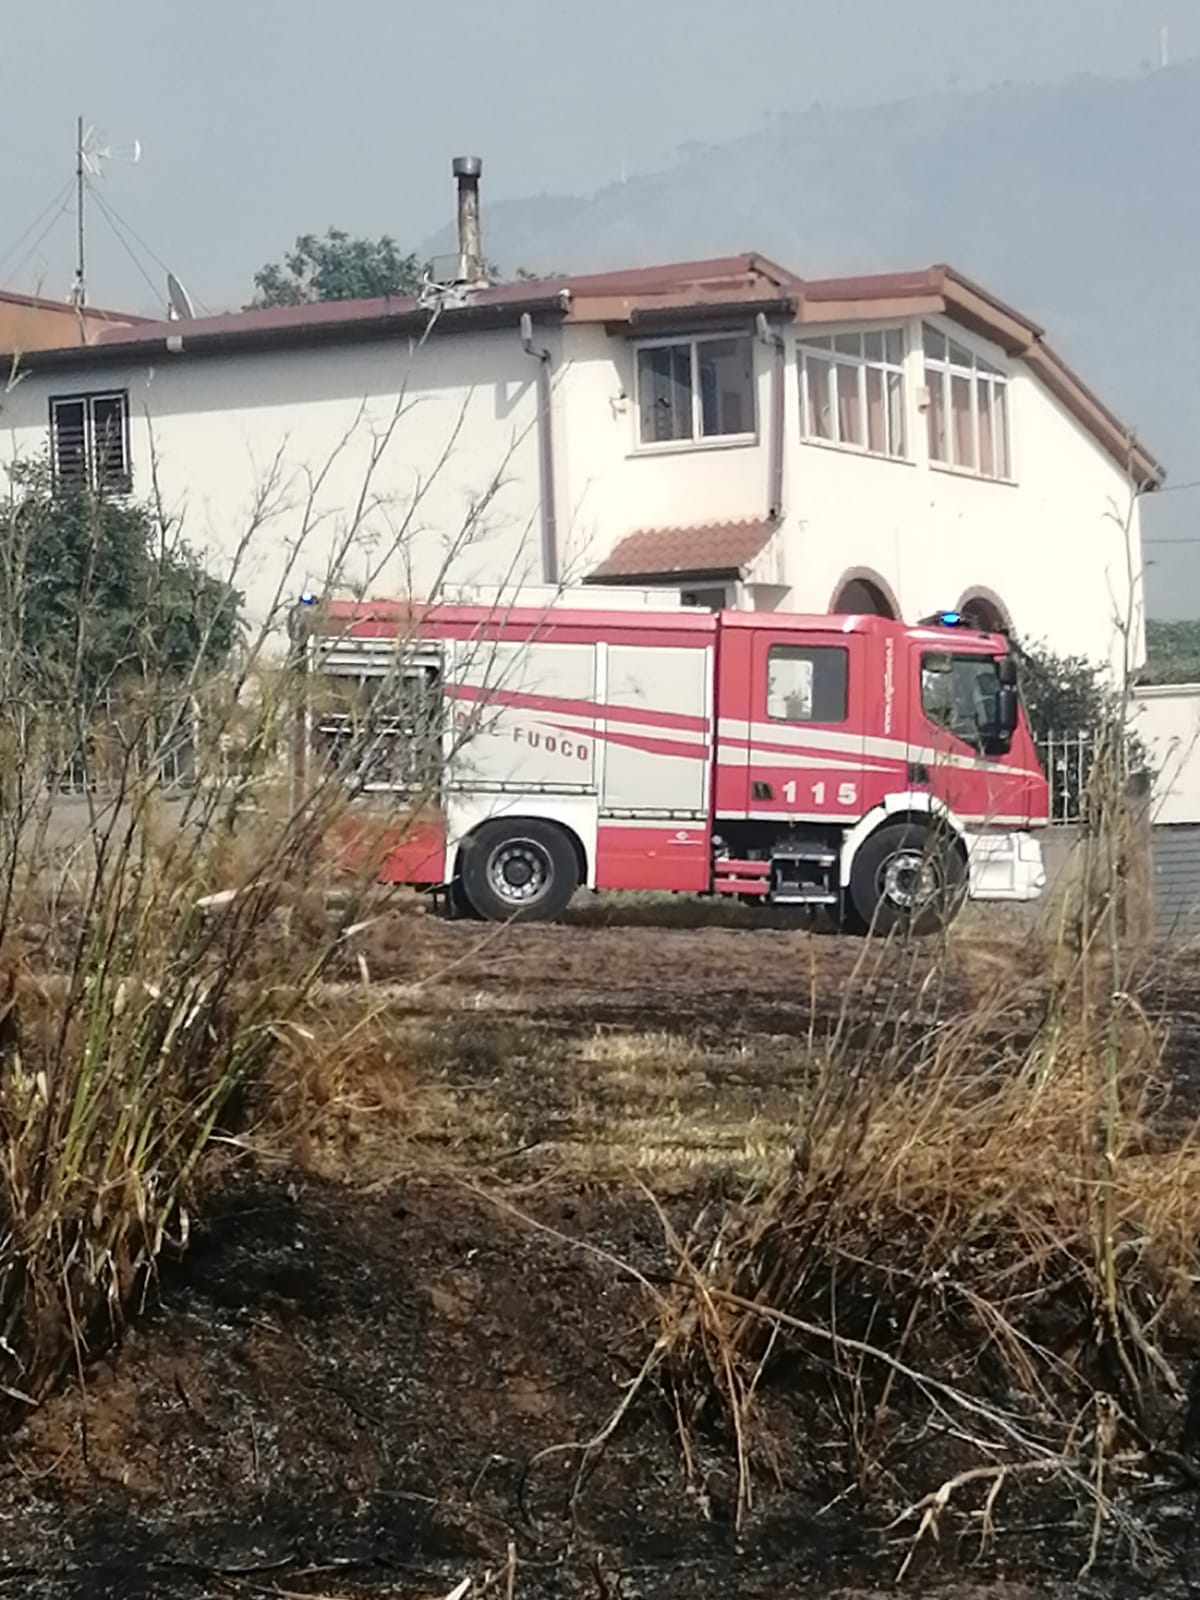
[[1052, 544], [455, 488], [412, 461], [1167, 719]]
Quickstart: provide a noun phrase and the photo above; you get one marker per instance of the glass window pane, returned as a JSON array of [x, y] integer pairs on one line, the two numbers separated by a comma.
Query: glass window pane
[[807, 683], [726, 374], [873, 346], [665, 393], [987, 454], [962, 421], [939, 449], [825, 345], [108, 442], [849, 407], [961, 694], [69, 441], [960, 357], [935, 344], [849, 344], [818, 412], [1000, 442], [895, 346], [897, 445], [877, 439]]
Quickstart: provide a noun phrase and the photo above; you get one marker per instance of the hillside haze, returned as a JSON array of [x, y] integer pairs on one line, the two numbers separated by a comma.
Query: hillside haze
[[1076, 201]]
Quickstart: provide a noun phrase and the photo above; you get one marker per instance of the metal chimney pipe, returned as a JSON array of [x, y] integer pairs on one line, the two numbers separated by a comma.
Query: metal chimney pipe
[[466, 171]]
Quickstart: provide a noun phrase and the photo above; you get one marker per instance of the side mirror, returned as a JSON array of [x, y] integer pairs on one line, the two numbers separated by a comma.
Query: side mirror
[[1008, 709], [1006, 671]]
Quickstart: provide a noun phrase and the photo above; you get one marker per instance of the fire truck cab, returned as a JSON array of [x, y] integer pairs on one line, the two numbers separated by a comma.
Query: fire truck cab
[[880, 771]]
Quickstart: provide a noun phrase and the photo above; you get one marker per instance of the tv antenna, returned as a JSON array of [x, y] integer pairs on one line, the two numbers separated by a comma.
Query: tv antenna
[[178, 300], [92, 153]]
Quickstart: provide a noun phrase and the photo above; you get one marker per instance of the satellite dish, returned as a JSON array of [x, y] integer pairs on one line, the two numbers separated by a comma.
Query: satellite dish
[[179, 300]]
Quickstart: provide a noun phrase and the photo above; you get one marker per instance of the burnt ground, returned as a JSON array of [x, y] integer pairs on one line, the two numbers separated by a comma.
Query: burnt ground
[[343, 1388]]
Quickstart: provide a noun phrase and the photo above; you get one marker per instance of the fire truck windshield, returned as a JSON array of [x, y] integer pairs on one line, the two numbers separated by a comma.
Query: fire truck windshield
[[961, 693]]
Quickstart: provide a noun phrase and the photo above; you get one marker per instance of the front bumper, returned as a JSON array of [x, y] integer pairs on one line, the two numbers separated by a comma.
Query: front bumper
[[1005, 866]]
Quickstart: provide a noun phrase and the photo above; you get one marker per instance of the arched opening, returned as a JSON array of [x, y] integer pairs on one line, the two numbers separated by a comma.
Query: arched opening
[[863, 594], [984, 610]]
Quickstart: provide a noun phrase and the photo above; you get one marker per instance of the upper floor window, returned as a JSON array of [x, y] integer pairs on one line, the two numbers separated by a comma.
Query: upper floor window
[[695, 389], [968, 408], [89, 441], [852, 391]]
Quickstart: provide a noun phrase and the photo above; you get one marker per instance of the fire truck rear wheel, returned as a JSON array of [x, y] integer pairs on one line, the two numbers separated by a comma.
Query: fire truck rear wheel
[[906, 876], [519, 871]]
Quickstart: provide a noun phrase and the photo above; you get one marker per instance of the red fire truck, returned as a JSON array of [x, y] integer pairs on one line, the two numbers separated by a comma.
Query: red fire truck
[[881, 771]]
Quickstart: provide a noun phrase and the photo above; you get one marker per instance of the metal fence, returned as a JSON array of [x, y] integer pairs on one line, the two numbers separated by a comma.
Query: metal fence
[[1067, 761], [121, 745]]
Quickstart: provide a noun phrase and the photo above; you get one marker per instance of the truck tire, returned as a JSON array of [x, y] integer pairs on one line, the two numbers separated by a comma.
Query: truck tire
[[513, 871], [906, 877], [458, 906]]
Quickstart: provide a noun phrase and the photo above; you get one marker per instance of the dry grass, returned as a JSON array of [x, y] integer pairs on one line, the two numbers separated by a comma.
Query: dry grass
[[931, 1272]]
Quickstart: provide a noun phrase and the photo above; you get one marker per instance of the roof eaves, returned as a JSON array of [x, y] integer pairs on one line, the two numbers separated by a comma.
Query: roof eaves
[[646, 318], [36, 302], [232, 340], [675, 575], [983, 314], [1145, 472], [774, 273]]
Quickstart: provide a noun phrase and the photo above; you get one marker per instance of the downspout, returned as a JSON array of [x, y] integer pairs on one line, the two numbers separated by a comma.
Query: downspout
[[772, 337], [545, 452]]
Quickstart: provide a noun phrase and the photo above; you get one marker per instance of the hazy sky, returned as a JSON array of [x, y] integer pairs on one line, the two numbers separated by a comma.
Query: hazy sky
[[265, 118]]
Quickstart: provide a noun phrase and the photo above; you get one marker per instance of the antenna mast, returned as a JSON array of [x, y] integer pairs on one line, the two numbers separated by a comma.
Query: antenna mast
[[79, 288]]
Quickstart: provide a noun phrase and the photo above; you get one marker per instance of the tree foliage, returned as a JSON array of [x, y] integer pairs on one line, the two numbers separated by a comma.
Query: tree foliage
[[1172, 652], [1074, 712], [96, 591], [336, 267], [1065, 695]]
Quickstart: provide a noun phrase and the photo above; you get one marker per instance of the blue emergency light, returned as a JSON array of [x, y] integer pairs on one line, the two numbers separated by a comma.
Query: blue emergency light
[[945, 619]]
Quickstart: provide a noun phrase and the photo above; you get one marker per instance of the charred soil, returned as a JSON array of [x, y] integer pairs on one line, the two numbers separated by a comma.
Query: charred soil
[[370, 1372]]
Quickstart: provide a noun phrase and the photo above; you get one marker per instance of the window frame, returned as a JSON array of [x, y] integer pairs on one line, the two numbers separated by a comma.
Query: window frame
[[790, 648], [698, 440], [90, 477], [367, 708], [824, 347], [979, 371], [980, 740], [698, 589]]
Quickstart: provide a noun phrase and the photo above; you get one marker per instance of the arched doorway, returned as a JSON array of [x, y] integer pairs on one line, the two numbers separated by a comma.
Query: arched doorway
[[863, 594], [986, 611]]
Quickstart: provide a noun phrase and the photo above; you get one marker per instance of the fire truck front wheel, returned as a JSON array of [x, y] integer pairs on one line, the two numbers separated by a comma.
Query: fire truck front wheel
[[519, 871], [909, 877]]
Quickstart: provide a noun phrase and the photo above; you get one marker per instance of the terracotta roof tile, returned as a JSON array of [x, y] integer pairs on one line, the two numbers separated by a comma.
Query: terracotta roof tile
[[707, 548]]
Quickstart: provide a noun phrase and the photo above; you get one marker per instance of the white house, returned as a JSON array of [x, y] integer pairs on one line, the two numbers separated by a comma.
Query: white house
[[902, 444]]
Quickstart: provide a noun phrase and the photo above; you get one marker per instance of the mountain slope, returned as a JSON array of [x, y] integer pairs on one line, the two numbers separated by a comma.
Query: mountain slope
[[1078, 202]]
